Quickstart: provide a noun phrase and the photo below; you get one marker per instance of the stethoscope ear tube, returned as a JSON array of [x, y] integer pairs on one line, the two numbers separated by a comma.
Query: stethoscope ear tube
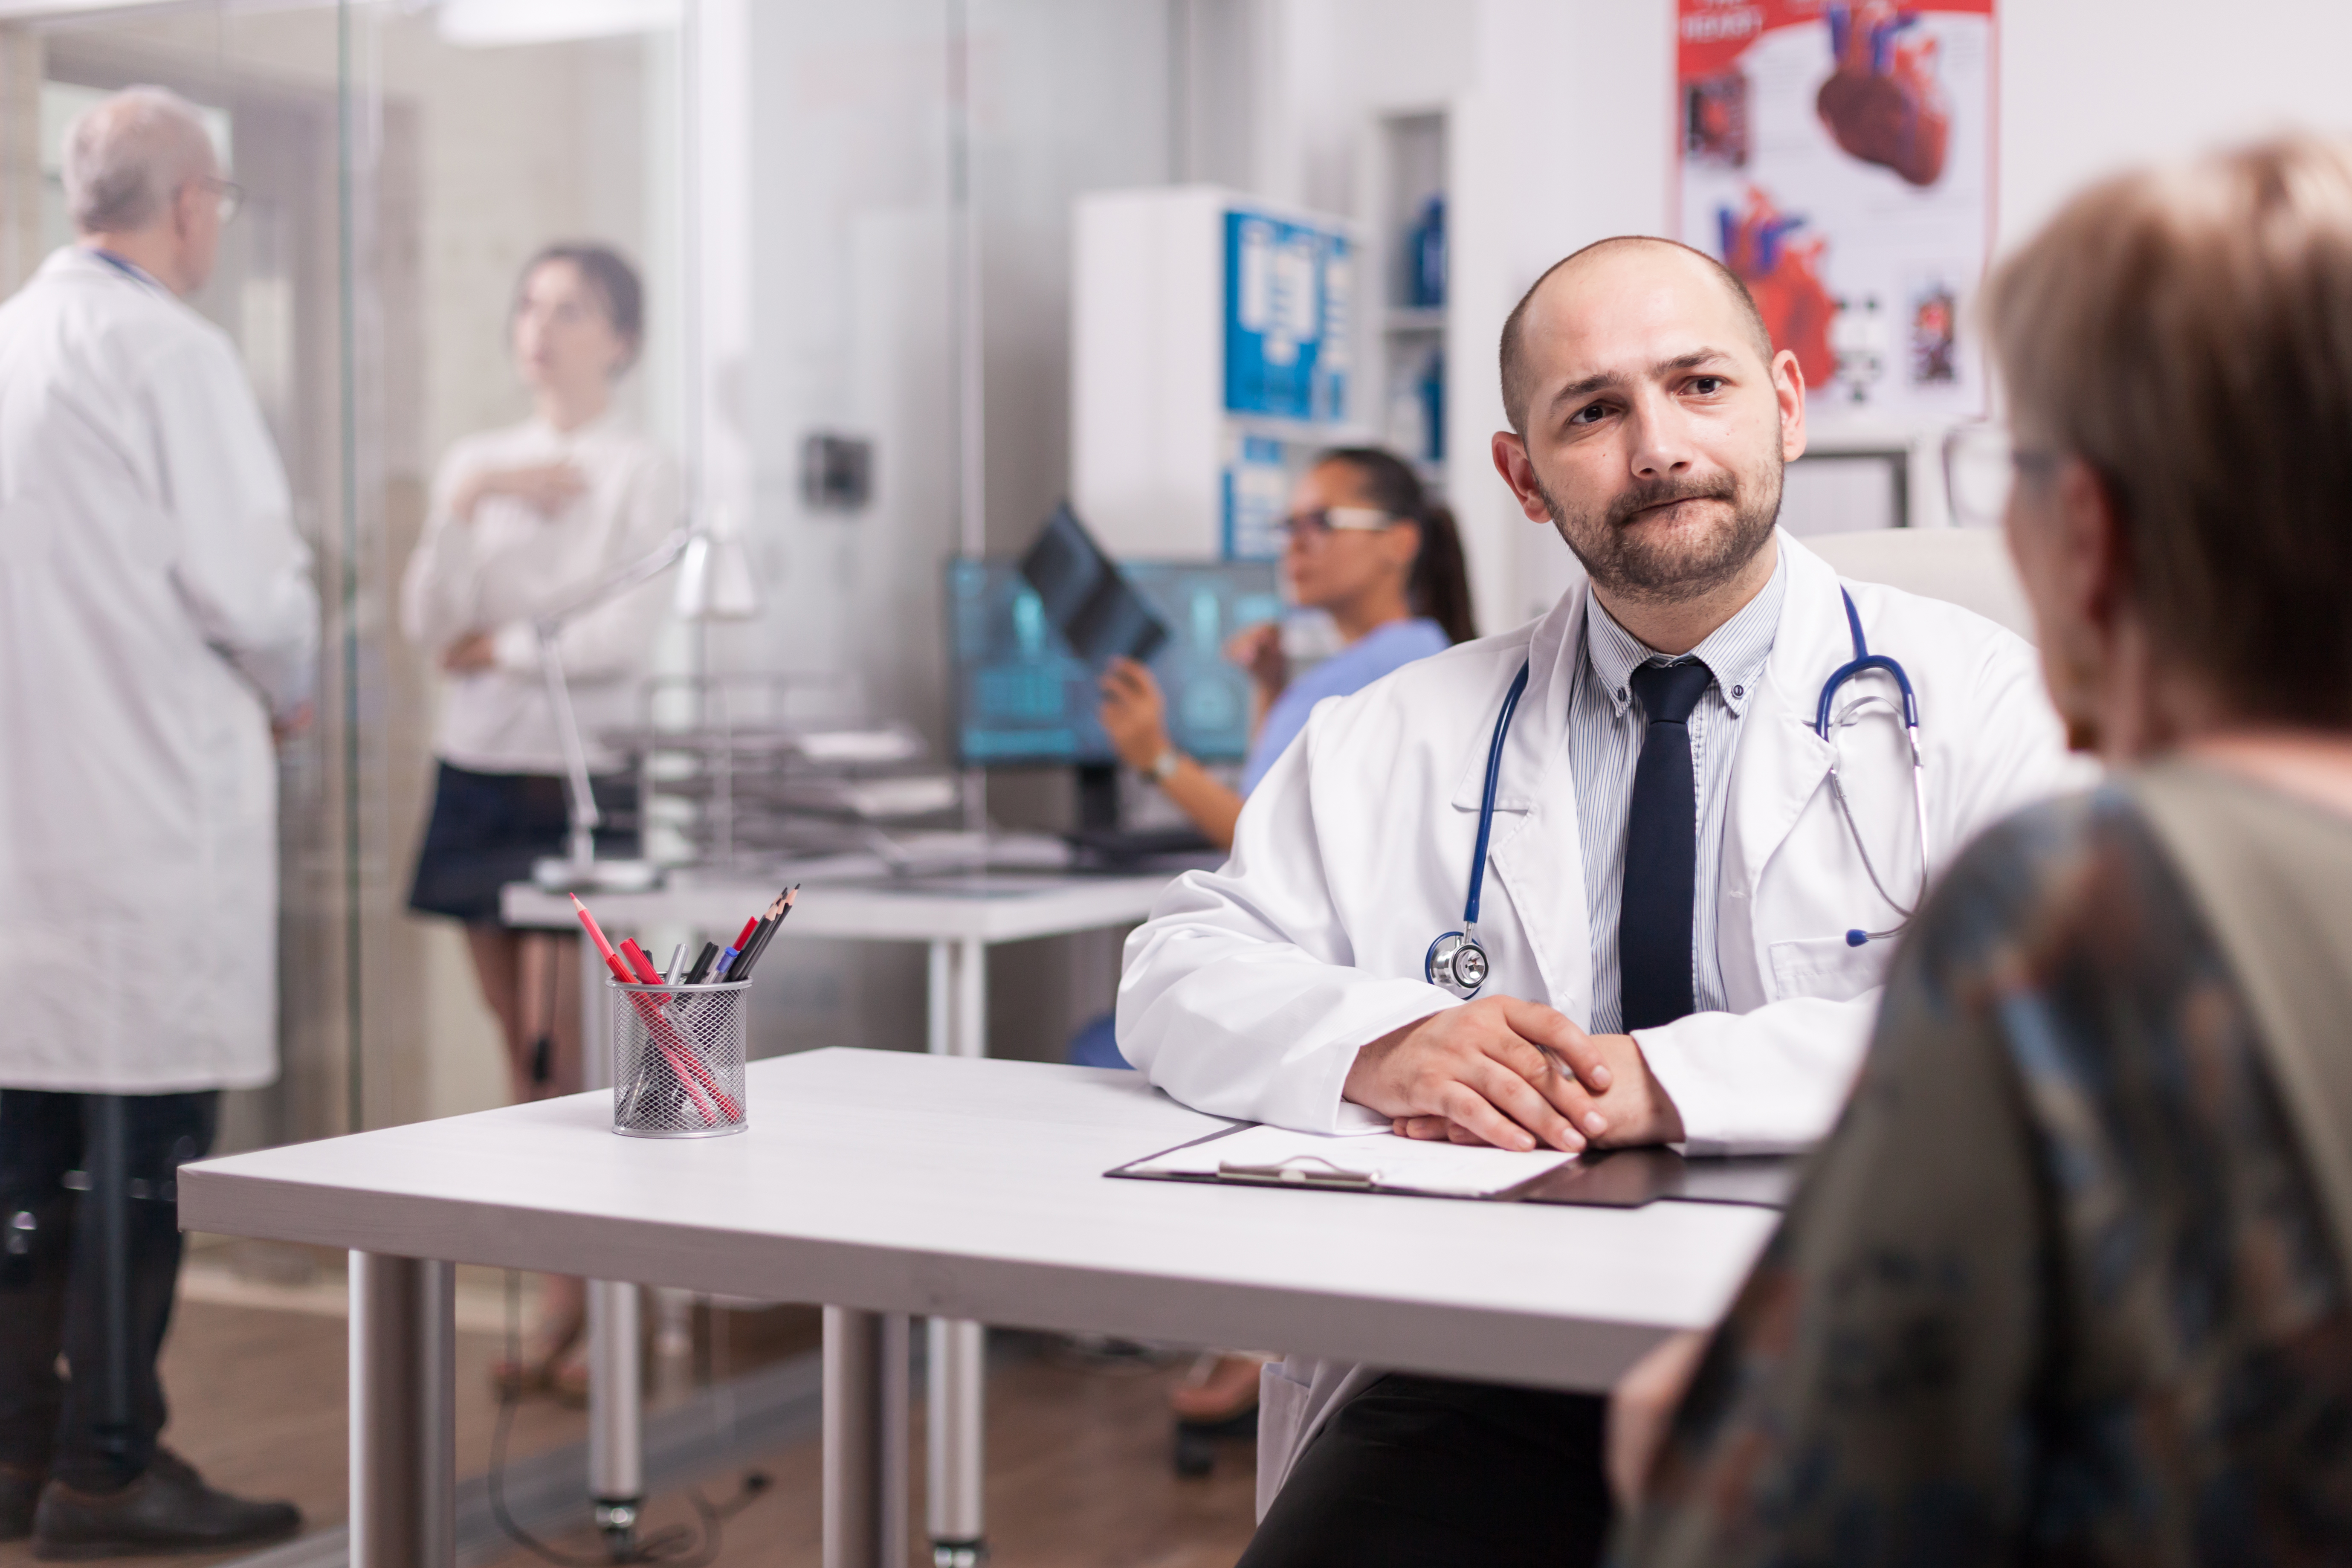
[[1863, 659]]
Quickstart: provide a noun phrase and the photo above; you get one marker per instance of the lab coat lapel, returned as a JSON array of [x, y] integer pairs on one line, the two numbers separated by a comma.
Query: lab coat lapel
[[1537, 852], [1781, 762]]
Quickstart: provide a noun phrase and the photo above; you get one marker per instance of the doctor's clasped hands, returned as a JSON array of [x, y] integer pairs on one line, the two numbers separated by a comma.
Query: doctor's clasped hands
[[1515, 1074]]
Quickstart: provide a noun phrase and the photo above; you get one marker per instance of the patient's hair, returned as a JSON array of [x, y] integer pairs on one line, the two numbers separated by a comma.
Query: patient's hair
[[1439, 586], [2187, 331], [127, 156]]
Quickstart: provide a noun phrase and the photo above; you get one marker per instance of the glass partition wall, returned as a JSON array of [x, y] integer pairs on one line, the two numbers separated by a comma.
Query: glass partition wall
[[851, 222], [399, 163]]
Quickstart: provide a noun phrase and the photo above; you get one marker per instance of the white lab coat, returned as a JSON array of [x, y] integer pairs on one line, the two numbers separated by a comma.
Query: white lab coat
[[156, 608], [1250, 989]]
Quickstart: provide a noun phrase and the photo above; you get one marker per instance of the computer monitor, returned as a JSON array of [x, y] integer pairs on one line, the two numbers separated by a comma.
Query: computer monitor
[[1023, 699]]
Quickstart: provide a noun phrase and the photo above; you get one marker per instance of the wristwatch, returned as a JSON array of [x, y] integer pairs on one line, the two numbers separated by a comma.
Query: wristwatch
[[1163, 766]]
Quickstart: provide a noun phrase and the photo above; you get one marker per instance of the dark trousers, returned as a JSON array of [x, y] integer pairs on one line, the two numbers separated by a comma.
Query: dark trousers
[[1425, 1472], [94, 1429]]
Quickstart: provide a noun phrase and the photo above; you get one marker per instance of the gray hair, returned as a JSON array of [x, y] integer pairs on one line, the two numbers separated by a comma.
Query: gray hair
[[127, 157]]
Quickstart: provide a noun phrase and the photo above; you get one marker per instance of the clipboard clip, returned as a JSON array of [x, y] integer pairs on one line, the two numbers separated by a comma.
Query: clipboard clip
[[1293, 1172]]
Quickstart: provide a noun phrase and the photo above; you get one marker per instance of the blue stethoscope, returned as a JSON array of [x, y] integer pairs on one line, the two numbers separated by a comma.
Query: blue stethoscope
[[1458, 964]]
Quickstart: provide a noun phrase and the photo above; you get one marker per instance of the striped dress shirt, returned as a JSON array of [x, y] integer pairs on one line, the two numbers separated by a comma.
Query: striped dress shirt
[[1605, 726]]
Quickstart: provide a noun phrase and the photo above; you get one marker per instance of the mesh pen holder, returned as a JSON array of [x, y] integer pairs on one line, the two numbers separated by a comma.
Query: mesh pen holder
[[678, 1058]]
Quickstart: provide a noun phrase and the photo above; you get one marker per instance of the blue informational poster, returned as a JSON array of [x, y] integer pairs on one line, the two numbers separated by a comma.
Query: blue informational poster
[[1258, 483], [1289, 304]]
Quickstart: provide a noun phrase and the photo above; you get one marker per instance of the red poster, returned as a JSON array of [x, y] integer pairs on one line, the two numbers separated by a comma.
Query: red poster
[[1838, 156]]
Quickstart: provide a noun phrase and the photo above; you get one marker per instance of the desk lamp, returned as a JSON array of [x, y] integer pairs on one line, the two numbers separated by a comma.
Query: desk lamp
[[715, 583]]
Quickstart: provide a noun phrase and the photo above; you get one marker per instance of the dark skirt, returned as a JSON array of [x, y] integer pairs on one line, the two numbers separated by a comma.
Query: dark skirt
[[488, 829]]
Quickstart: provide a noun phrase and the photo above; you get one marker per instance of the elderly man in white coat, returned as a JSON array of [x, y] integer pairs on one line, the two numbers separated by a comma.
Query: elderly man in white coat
[[157, 620], [1682, 942]]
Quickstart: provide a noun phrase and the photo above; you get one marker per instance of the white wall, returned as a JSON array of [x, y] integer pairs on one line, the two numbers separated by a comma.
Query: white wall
[[2092, 85]]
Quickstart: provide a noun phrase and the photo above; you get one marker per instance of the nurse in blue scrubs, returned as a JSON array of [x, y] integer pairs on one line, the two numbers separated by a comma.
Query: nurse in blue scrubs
[[1368, 547]]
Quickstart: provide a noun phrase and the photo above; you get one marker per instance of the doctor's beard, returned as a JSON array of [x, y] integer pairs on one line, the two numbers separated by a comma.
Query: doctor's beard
[[1622, 562]]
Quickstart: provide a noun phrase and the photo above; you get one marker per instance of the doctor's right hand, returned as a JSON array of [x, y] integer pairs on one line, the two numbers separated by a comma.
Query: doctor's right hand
[[1486, 1066]]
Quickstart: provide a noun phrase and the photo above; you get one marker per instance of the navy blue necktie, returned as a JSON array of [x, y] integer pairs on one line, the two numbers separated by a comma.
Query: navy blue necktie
[[1653, 929]]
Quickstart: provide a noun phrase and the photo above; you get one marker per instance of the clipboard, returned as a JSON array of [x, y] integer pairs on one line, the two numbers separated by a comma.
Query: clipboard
[[1622, 1178]]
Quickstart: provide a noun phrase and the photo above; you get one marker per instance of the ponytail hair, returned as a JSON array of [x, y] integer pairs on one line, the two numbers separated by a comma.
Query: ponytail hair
[[1439, 586]]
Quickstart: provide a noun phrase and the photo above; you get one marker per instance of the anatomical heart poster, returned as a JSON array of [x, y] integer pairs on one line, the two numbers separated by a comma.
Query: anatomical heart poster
[[1837, 155]]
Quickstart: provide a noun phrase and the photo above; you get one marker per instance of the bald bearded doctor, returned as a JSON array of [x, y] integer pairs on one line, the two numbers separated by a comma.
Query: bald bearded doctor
[[1668, 884]]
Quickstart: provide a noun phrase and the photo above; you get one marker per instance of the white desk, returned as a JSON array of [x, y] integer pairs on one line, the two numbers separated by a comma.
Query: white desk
[[959, 915], [883, 1183]]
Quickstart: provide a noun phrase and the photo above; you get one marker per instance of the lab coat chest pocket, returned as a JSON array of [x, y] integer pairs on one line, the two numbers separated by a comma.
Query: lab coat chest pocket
[[1826, 967]]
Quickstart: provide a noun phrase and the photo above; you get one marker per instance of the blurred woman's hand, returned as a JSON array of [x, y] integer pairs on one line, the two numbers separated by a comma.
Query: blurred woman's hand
[[545, 488], [470, 653], [1133, 714], [1258, 650]]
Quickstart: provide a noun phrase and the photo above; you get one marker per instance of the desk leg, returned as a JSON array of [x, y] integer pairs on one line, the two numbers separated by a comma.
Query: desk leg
[[616, 1484], [404, 1413], [957, 1358], [865, 1438]]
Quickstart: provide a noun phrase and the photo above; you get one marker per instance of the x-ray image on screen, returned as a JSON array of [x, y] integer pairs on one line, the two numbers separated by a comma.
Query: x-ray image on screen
[[1023, 698]]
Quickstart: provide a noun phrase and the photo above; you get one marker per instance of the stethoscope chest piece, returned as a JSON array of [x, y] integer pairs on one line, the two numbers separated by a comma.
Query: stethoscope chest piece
[[1456, 963]]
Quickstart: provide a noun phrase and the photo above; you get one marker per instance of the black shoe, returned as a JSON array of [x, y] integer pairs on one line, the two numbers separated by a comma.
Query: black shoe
[[19, 1489], [169, 1509]]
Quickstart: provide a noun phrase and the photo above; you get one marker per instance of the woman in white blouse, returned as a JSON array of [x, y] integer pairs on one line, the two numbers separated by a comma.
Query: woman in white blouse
[[522, 518]]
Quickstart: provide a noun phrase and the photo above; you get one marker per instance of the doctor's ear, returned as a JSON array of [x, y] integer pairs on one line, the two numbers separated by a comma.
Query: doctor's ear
[[1519, 472], [1789, 391]]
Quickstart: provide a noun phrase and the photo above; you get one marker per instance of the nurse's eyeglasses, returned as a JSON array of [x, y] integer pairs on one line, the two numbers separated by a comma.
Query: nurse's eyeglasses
[[1315, 527]]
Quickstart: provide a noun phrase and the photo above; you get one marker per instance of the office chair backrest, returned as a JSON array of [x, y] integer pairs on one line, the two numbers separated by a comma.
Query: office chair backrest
[[1964, 566]]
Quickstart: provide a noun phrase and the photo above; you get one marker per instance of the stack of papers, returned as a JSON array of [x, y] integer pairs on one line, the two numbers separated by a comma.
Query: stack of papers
[[1379, 1160]]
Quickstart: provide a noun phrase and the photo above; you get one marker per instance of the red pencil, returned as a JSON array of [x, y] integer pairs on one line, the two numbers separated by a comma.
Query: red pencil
[[684, 1061], [595, 931]]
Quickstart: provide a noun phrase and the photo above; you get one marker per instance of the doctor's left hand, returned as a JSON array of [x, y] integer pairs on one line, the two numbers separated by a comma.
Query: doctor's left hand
[[1608, 1094]]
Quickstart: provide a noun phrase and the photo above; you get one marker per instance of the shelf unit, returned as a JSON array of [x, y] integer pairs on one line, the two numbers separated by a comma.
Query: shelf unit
[[1407, 169]]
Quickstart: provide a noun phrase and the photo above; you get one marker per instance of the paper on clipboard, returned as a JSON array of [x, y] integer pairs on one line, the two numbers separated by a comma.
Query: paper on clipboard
[[1378, 1161]]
